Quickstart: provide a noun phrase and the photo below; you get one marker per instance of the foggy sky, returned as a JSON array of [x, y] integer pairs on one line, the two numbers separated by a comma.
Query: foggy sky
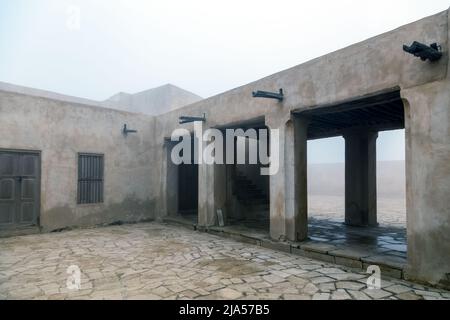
[[206, 47]]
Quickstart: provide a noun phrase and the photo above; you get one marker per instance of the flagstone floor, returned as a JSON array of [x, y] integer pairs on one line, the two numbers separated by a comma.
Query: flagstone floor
[[160, 261]]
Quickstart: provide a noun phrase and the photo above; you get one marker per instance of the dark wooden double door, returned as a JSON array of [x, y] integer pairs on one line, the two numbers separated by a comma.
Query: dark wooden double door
[[19, 188]]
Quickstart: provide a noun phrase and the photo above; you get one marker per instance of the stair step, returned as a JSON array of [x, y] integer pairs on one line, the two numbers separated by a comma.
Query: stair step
[[246, 184], [252, 202], [247, 190], [255, 192], [251, 196]]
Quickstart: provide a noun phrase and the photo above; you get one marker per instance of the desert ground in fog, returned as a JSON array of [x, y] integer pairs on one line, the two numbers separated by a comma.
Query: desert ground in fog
[[326, 189]]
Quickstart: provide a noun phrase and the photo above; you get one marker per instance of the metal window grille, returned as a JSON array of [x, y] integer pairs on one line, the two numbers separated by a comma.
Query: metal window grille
[[90, 178]]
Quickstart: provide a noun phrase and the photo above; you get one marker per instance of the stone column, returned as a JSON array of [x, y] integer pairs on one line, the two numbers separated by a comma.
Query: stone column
[[206, 215], [288, 186], [301, 177], [360, 177], [296, 179], [167, 204], [277, 185], [427, 122]]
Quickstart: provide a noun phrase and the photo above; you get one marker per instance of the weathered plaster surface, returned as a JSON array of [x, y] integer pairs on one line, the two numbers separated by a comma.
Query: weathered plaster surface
[[428, 180], [138, 168], [60, 130]]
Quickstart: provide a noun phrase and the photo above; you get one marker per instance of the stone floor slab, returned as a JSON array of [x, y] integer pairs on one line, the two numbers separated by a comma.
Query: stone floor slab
[[161, 261]]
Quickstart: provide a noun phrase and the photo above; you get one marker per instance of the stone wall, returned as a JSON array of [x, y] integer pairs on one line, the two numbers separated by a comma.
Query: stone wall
[[60, 130], [139, 177], [373, 66]]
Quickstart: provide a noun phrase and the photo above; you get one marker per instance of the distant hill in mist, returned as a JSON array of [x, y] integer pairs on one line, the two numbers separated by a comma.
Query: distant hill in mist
[[329, 179]]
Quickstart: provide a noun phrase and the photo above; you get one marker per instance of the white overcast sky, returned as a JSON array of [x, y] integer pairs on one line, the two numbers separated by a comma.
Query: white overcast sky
[[204, 46]]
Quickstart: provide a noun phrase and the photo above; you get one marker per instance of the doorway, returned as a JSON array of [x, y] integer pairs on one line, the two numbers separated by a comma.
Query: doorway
[[19, 188], [188, 189]]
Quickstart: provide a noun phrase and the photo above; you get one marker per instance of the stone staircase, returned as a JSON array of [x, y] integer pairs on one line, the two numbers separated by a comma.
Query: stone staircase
[[254, 202]]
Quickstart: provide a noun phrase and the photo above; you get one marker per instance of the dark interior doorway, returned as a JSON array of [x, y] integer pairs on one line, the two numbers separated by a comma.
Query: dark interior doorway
[[187, 188]]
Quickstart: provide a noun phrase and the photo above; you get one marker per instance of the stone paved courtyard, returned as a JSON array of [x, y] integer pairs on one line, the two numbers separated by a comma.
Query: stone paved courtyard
[[332, 241], [160, 261]]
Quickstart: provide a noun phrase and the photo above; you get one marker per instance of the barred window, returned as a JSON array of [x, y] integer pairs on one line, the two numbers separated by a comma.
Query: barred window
[[90, 178]]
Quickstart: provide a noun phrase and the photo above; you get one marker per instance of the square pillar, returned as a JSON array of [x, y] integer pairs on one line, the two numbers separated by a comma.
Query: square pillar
[[212, 187], [288, 187], [296, 179], [167, 205], [277, 183], [212, 193], [361, 177], [427, 124], [206, 215]]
